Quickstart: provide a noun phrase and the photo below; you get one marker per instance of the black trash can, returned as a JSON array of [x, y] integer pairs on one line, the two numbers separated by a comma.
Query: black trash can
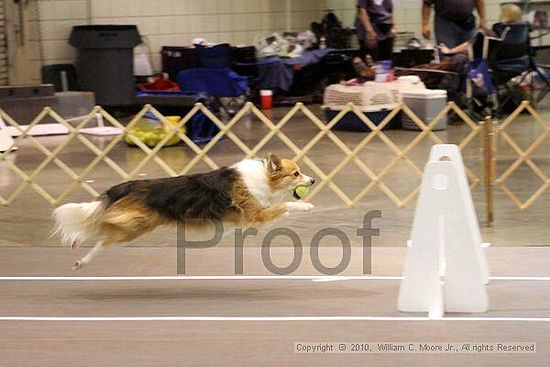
[[105, 61]]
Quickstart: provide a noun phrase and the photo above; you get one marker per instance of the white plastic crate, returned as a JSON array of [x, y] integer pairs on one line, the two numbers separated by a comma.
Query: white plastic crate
[[371, 94]]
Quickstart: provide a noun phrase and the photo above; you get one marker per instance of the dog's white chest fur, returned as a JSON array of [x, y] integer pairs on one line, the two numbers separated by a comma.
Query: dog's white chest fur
[[253, 173]]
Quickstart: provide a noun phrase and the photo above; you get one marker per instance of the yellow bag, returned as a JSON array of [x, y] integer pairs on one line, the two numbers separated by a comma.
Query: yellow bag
[[151, 131]]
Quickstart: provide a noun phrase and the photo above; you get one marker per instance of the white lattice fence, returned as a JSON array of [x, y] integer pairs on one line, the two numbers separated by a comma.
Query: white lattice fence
[[523, 156], [226, 130]]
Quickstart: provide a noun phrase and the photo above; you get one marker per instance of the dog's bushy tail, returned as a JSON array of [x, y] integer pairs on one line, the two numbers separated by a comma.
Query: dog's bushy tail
[[74, 222]]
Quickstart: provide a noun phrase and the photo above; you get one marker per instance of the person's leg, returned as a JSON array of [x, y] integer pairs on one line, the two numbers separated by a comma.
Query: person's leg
[[373, 52], [362, 49], [359, 60], [385, 49], [361, 69], [447, 32]]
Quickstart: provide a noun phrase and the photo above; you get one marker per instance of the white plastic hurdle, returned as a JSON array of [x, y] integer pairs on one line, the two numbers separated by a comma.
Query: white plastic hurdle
[[445, 269], [452, 152]]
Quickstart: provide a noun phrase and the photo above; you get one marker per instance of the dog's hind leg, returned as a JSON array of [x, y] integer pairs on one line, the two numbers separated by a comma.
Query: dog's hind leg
[[78, 264]]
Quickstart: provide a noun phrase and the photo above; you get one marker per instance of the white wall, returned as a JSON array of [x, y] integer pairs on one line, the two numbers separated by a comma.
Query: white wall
[[170, 22], [176, 22]]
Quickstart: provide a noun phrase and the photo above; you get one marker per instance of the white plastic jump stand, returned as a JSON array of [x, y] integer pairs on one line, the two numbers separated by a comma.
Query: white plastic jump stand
[[100, 129], [451, 152], [6, 141], [445, 269]]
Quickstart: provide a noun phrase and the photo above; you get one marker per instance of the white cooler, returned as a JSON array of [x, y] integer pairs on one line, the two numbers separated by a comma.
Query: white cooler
[[426, 104]]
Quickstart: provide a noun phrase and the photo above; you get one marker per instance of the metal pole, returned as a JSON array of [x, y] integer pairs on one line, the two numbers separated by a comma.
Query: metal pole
[[490, 167]]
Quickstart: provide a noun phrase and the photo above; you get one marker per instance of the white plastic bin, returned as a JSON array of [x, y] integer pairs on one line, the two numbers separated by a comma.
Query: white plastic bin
[[426, 104]]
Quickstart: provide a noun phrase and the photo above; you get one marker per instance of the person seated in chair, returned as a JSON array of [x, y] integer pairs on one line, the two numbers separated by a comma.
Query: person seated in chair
[[509, 14]]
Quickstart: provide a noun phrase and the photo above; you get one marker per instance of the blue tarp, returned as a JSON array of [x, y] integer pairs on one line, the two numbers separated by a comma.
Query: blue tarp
[[276, 72], [213, 82]]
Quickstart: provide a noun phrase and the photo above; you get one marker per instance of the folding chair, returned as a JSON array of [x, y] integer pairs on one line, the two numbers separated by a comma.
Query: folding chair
[[509, 56], [541, 70]]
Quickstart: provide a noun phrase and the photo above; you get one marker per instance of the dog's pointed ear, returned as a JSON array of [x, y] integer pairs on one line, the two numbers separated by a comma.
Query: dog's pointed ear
[[273, 163]]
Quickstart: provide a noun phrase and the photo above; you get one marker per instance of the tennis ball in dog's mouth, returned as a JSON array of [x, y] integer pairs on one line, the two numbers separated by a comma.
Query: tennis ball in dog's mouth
[[301, 191]]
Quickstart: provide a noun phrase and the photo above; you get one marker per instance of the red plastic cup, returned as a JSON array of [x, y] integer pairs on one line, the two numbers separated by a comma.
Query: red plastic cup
[[266, 99]]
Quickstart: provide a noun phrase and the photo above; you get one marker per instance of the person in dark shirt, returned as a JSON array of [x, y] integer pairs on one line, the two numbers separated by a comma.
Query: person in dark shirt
[[454, 21], [375, 28]]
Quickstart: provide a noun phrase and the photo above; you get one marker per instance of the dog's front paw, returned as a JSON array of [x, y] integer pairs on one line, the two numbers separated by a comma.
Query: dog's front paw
[[293, 206]]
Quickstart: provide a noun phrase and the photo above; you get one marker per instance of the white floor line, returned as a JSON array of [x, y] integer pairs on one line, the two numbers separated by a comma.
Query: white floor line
[[270, 318], [198, 277], [505, 278], [315, 278], [528, 279]]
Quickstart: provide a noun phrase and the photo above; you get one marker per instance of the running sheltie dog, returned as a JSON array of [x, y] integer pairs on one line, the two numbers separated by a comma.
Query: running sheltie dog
[[246, 194]]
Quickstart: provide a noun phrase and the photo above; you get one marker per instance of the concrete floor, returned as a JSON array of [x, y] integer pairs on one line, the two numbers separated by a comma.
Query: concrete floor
[[209, 331], [519, 240]]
